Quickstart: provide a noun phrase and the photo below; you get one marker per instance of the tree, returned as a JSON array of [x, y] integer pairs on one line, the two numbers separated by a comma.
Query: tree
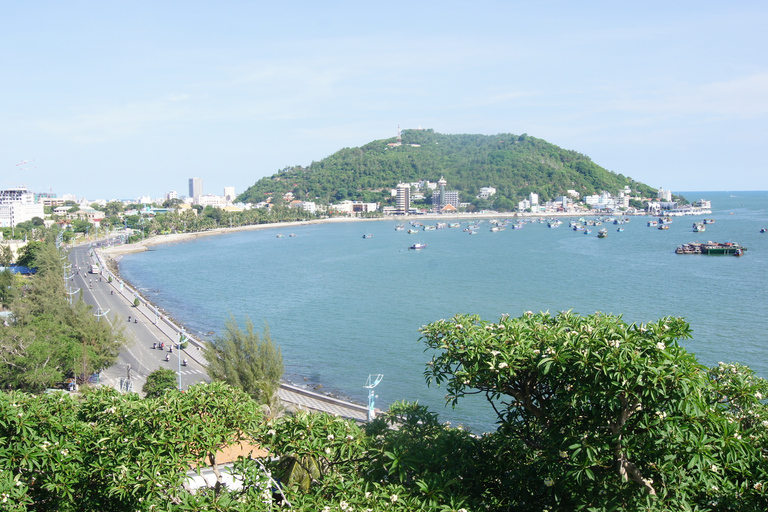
[[6, 255], [596, 413], [246, 359], [158, 382]]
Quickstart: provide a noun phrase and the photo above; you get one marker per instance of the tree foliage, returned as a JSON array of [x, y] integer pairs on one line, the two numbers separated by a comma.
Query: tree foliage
[[600, 414], [246, 359], [49, 339], [158, 382]]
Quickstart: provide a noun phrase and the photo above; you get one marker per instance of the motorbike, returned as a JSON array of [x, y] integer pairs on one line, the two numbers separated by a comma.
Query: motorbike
[[167, 357], [184, 363]]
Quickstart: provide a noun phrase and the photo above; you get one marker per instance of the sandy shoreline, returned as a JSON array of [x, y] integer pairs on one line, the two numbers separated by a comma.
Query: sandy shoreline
[[184, 237]]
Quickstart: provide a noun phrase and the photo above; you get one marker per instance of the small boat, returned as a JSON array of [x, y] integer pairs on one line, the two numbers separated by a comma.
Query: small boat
[[764, 230], [664, 226], [698, 227], [292, 235], [417, 246], [280, 235], [652, 223], [587, 231], [709, 221], [368, 235], [620, 230], [412, 231], [602, 233], [399, 227]]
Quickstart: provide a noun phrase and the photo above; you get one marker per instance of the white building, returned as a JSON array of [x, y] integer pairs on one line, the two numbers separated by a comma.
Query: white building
[[171, 195], [18, 205], [534, 198], [486, 192], [210, 200], [664, 195], [229, 194]]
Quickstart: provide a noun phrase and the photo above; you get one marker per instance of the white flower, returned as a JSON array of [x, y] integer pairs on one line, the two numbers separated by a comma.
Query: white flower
[[757, 486], [660, 345], [326, 509], [759, 395], [271, 432], [393, 498], [350, 437], [65, 452], [5, 497], [343, 505], [495, 352], [503, 365], [549, 482], [328, 451], [563, 454], [713, 468], [367, 494], [330, 437]]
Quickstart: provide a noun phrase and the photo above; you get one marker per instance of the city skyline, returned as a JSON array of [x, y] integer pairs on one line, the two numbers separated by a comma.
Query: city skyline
[[142, 97]]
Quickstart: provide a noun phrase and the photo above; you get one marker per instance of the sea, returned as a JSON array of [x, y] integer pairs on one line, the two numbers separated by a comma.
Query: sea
[[343, 307]]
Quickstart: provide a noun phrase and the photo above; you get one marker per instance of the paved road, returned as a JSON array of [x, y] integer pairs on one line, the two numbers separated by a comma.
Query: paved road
[[138, 359], [140, 333]]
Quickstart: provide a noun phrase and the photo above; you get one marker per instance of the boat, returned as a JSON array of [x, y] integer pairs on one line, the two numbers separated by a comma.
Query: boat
[[620, 230], [698, 227], [709, 221], [368, 235], [764, 230], [652, 223], [412, 231], [400, 227], [715, 248], [280, 235], [587, 231], [602, 233], [663, 226], [454, 225], [417, 246], [292, 235]]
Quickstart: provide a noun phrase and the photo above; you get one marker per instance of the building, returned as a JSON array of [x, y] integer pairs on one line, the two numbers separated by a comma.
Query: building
[[403, 201], [664, 195], [18, 205], [229, 194], [444, 197], [486, 192], [195, 187], [171, 195]]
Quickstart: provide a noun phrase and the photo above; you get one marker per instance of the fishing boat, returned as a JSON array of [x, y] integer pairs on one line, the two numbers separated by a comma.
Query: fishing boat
[[400, 227], [417, 246], [698, 227], [602, 233], [587, 231], [368, 235], [412, 231], [663, 226], [620, 230], [652, 223], [710, 247], [280, 235]]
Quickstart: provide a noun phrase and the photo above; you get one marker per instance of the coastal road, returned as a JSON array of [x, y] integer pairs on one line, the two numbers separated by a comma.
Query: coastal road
[[138, 359]]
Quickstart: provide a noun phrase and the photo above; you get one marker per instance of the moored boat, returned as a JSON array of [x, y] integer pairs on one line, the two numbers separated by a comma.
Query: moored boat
[[418, 246]]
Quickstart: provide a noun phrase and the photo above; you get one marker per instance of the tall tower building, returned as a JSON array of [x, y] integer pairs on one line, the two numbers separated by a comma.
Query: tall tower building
[[442, 183], [403, 200], [229, 194], [195, 187]]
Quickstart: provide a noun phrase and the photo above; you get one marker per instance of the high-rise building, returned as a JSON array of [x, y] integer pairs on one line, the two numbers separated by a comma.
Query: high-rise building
[[403, 200], [195, 187], [229, 194], [18, 205], [442, 183]]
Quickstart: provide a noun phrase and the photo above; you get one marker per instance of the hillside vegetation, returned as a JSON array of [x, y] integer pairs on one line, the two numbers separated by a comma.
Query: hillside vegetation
[[515, 165]]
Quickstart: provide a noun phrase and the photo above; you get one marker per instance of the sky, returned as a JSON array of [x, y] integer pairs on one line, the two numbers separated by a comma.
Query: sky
[[108, 100]]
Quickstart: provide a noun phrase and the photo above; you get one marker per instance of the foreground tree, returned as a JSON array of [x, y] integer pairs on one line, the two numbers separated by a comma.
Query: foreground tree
[[158, 382], [600, 414], [247, 360]]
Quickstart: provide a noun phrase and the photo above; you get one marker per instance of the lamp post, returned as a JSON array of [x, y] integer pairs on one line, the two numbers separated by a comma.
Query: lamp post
[[372, 382]]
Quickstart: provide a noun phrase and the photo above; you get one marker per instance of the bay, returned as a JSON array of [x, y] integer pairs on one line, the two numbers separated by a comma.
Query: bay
[[342, 307]]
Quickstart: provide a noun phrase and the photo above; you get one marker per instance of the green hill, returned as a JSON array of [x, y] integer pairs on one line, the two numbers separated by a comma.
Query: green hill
[[515, 165]]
